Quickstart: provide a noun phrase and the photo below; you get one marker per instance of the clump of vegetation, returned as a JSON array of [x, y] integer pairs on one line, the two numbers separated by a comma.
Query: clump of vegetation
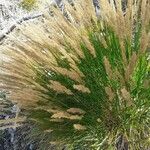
[[28, 4], [85, 80]]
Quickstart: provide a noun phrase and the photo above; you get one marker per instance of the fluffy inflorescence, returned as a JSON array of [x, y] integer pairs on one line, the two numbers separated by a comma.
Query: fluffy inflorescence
[[83, 76]]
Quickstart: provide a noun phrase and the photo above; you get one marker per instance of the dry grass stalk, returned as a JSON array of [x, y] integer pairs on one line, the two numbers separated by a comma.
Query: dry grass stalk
[[66, 115], [56, 120], [25, 97], [58, 87], [108, 68], [123, 53], [110, 93], [145, 38], [60, 115], [146, 84], [8, 121], [81, 88], [126, 96], [89, 46], [130, 68], [119, 77], [72, 74], [79, 127], [76, 111], [9, 126]]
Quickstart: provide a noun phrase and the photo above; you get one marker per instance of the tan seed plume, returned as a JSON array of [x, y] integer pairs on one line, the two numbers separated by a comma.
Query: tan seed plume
[[79, 127], [81, 88], [58, 87]]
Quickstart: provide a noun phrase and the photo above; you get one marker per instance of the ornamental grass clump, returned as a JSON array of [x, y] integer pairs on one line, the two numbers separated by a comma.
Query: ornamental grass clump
[[82, 78]]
